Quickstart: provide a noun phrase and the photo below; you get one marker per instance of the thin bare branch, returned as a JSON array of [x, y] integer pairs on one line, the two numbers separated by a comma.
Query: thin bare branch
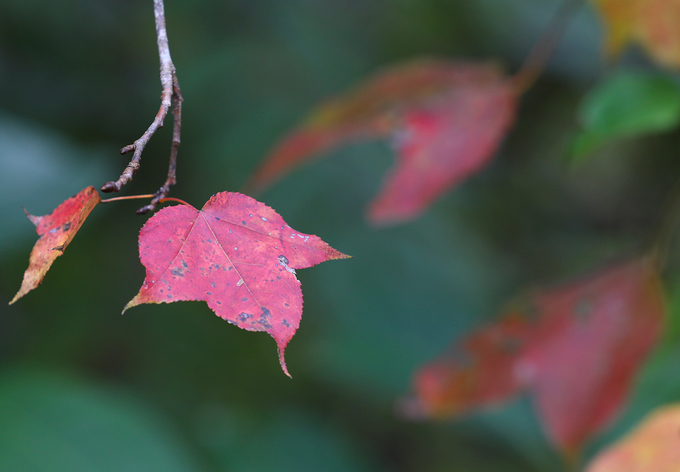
[[543, 50], [170, 96]]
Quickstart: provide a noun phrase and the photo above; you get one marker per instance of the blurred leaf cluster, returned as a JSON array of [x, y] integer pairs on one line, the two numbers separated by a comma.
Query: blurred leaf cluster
[[173, 387]]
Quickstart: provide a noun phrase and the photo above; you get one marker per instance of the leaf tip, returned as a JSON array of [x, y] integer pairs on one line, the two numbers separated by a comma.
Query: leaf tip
[[130, 304], [282, 361], [340, 255], [410, 408], [34, 219]]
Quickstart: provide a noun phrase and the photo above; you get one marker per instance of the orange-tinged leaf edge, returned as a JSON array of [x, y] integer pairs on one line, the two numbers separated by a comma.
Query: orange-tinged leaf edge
[[653, 445], [56, 231]]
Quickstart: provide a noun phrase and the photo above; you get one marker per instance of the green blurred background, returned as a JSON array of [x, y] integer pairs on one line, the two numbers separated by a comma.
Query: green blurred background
[[173, 387]]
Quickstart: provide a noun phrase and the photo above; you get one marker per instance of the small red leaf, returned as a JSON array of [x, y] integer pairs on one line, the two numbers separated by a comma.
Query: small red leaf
[[236, 254], [477, 372], [577, 354], [447, 118], [56, 231]]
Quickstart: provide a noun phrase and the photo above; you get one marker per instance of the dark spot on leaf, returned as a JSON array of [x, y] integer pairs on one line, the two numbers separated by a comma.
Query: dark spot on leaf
[[208, 293], [169, 296], [243, 317], [54, 230], [244, 299], [583, 310], [213, 284], [231, 232], [285, 323], [283, 259], [243, 222], [265, 312], [532, 313], [286, 305], [460, 358], [511, 345], [184, 264], [217, 218], [67, 226], [264, 322], [177, 272], [218, 302]]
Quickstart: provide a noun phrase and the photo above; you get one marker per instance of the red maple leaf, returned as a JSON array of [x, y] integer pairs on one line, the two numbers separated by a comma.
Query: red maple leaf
[[446, 119], [576, 349], [236, 254], [56, 231]]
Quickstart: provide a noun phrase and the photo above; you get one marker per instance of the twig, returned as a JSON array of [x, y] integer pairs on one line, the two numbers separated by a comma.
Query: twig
[[670, 213], [538, 58], [170, 96]]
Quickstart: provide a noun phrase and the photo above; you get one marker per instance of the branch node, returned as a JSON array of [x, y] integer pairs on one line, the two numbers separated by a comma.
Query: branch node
[[127, 149], [109, 187], [170, 98]]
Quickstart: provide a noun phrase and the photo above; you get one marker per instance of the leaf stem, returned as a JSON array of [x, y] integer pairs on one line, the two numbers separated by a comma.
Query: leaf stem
[[173, 199], [545, 47], [663, 240], [127, 197]]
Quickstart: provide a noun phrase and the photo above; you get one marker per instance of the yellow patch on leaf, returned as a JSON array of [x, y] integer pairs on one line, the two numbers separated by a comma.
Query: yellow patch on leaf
[[653, 446], [56, 231], [653, 24]]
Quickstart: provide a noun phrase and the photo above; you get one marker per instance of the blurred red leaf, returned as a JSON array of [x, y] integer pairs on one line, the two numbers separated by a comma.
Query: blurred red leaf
[[654, 24], [654, 446], [446, 119], [476, 372], [236, 254], [56, 231], [576, 349]]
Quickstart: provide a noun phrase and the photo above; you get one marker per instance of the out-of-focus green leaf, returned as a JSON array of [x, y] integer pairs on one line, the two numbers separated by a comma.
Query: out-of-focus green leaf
[[289, 441], [625, 105], [51, 423]]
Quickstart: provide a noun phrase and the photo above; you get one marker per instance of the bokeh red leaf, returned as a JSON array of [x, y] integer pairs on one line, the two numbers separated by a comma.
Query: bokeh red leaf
[[56, 231], [654, 446], [653, 24], [446, 120], [236, 254], [477, 372], [575, 348]]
